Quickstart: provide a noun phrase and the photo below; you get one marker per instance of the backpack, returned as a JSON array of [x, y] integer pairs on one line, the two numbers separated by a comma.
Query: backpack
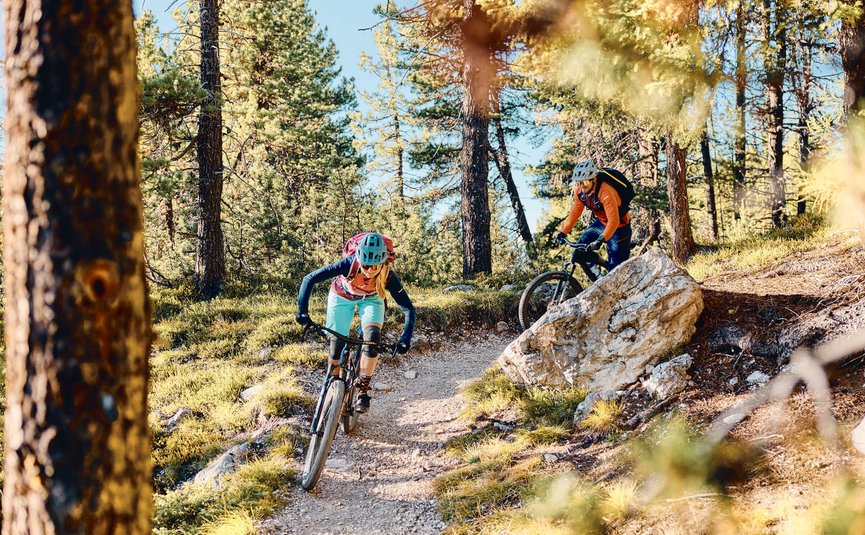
[[350, 248], [622, 186]]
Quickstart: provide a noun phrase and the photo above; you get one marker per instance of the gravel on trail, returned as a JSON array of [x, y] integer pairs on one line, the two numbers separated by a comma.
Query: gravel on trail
[[378, 480]]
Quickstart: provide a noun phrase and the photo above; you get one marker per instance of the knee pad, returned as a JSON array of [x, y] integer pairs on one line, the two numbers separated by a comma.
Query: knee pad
[[371, 333], [336, 347]]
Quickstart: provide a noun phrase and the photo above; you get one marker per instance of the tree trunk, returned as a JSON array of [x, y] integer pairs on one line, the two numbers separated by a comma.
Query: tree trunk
[[476, 77], [210, 252], [852, 41], [677, 191], [775, 60], [740, 143], [77, 446], [710, 187], [646, 220], [503, 164], [400, 156], [803, 96]]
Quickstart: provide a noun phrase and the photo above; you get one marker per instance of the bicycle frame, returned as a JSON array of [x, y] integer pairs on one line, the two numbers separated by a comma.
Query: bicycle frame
[[347, 367], [582, 256]]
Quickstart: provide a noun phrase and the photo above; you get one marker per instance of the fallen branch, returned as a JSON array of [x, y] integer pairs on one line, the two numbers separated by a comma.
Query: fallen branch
[[642, 417]]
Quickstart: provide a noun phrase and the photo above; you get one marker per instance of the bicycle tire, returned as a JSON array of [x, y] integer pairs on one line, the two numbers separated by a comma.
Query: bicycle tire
[[533, 304], [350, 417], [319, 443]]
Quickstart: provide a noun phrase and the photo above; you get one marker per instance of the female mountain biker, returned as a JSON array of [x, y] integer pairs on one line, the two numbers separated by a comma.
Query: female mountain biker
[[359, 283], [612, 224]]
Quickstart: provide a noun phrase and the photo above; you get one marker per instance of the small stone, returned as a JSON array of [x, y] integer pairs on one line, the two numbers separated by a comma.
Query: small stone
[[182, 414], [382, 387], [460, 288], [503, 427], [507, 288], [251, 392], [733, 381], [501, 326], [411, 374], [550, 458], [265, 352], [337, 464], [757, 378]]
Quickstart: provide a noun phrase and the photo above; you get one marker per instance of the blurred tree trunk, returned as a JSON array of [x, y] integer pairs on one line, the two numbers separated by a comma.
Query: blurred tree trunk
[[710, 187], [677, 190], [210, 251], [500, 156], [852, 41], [740, 142], [77, 447], [646, 220], [805, 104], [775, 61], [477, 75]]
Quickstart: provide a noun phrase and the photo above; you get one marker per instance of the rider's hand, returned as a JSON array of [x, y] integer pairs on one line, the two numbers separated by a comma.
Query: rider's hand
[[403, 346], [595, 245], [303, 319], [559, 237]]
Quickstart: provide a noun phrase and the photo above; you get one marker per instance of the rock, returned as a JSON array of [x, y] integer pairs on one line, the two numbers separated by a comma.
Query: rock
[[502, 326], [757, 378], [337, 464], [460, 288], [411, 374], [223, 465], [858, 436], [733, 381], [731, 336], [550, 458], [251, 392], [604, 338], [585, 407], [265, 352], [182, 414], [505, 428], [507, 288], [420, 342], [669, 378], [382, 387]]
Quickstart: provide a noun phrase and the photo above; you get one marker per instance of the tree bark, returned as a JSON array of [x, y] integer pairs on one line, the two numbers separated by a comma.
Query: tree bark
[[77, 448], [677, 191], [803, 97], [477, 75], [740, 143], [852, 41], [710, 187], [646, 220], [775, 59], [503, 164], [210, 250]]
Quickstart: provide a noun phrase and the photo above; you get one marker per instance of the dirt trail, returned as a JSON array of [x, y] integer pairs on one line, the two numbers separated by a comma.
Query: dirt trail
[[381, 478]]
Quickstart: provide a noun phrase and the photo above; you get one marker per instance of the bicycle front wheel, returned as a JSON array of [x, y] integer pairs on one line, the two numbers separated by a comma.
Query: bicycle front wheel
[[350, 417], [319, 443], [545, 291]]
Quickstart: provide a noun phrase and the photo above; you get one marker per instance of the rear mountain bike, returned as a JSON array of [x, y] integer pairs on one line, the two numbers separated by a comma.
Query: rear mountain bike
[[335, 402]]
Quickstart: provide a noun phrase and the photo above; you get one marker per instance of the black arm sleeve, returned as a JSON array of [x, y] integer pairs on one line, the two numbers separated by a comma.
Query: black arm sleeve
[[394, 286], [329, 271]]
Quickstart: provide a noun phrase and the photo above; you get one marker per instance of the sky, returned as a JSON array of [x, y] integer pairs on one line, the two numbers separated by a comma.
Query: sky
[[345, 21]]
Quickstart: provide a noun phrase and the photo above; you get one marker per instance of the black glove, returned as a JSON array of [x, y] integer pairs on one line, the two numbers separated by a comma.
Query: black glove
[[403, 346], [559, 237], [303, 318], [595, 245]]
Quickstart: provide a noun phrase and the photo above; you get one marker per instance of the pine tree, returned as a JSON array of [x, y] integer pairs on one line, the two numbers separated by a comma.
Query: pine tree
[[76, 436]]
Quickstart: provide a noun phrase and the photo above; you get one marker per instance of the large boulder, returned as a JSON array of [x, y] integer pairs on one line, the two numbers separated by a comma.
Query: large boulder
[[604, 338]]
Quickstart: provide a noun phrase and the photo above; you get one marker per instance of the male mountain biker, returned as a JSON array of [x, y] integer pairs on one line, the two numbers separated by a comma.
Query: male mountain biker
[[601, 191], [360, 280]]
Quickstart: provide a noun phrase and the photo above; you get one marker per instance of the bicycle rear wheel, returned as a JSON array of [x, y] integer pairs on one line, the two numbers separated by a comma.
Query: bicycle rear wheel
[[319, 444], [545, 291]]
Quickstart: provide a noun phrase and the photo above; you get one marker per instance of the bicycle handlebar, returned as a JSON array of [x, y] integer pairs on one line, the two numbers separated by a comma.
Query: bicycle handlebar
[[321, 329]]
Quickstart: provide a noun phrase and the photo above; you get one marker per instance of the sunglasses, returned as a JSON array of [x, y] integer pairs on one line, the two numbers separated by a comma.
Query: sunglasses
[[587, 183], [370, 268]]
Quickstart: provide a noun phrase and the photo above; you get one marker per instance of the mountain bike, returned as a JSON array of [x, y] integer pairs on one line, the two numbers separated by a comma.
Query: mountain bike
[[335, 402], [555, 287]]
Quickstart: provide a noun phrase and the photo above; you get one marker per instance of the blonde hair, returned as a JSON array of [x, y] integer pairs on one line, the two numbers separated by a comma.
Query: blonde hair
[[381, 279]]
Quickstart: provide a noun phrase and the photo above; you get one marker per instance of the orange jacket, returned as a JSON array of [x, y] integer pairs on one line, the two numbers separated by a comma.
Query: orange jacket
[[607, 210]]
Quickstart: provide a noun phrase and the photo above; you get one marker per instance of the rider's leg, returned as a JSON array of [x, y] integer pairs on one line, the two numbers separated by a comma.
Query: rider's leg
[[340, 312], [371, 311], [619, 247], [595, 229]]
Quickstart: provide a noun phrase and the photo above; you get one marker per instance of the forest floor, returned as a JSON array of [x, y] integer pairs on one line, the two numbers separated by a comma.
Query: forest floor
[[380, 477]]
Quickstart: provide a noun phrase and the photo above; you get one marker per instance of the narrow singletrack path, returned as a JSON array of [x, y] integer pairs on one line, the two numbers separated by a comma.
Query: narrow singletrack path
[[379, 479]]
